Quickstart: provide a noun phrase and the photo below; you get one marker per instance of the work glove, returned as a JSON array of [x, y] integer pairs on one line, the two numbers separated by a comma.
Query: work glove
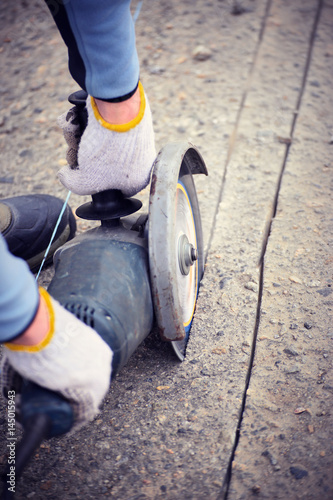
[[71, 129], [72, 360], [108, 156]]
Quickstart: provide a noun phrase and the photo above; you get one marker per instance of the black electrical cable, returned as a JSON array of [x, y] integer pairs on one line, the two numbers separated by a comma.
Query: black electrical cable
[[35, 431]]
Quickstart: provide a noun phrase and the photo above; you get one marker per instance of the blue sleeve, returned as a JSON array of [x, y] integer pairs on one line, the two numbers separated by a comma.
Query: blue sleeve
[[100, 37], [19, 296]]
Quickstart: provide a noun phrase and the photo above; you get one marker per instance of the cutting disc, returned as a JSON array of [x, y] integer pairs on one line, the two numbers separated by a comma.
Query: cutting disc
[[175, 242]]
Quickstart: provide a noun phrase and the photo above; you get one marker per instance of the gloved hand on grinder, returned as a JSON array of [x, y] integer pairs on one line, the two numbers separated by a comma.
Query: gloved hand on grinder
[[59, 352], [109, 155]]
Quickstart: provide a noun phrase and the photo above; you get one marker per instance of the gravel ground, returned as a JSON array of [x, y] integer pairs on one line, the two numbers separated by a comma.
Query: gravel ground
[[248, 414]]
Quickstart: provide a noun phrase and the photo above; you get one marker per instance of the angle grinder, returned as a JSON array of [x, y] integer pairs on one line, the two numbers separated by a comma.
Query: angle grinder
[[120, 278]]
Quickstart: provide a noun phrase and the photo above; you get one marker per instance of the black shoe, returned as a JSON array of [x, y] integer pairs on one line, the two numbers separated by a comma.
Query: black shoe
[[27, 224]]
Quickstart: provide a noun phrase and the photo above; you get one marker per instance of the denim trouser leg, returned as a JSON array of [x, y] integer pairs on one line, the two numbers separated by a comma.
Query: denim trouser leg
[[100, 38]]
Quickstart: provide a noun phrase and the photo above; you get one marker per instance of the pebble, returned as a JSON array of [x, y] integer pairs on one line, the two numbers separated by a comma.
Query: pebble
[[292, 369], [298, 473], [256, 489], [156, 70], [102, 445], [325, 291], [7, 180], [315, 83], [291, 351], [313, 283], [237, 8], [252, 286], [201, 53], [270, 457], [283, 330], [219, 350], [295, 279]]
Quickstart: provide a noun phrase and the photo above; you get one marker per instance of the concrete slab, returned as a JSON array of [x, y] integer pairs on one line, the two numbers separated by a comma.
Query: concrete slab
[[171, 430], [285, 445]]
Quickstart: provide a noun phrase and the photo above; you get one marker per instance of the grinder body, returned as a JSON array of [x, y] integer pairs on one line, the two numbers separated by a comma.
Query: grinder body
[[102, 278]]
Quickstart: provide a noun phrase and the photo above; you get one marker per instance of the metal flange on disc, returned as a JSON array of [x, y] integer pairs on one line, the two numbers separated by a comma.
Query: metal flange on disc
[[175, 241]]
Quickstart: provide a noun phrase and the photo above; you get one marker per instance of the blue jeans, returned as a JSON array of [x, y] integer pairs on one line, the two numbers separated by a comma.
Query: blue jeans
[[100, 38]]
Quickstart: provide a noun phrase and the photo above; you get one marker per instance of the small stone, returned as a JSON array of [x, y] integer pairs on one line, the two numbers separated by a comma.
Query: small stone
[[201, 53], [307, 325], [192, 416], [219, 350], [270, 457], [102, 445], [183, 430], [25, 153], [291, 351], [298, 473], [256, 489], [292, 369], [283, 330], [295, 279], [297, 411], [7, 180], [46, 486], [315, 83], [293, 326], [313, 283], [237, 8], [252, 286], [156, 70], [325, 291], [284, 140]]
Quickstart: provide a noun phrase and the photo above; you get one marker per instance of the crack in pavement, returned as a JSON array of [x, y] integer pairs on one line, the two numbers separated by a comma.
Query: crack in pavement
[[223, 495], [237, 121]]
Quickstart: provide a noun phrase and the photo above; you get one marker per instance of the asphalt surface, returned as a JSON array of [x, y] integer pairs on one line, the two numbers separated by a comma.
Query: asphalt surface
[[248, 414]]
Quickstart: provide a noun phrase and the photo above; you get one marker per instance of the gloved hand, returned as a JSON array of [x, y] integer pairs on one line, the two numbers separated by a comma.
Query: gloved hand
[[72, 359], [70, 124], [108, 156]]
